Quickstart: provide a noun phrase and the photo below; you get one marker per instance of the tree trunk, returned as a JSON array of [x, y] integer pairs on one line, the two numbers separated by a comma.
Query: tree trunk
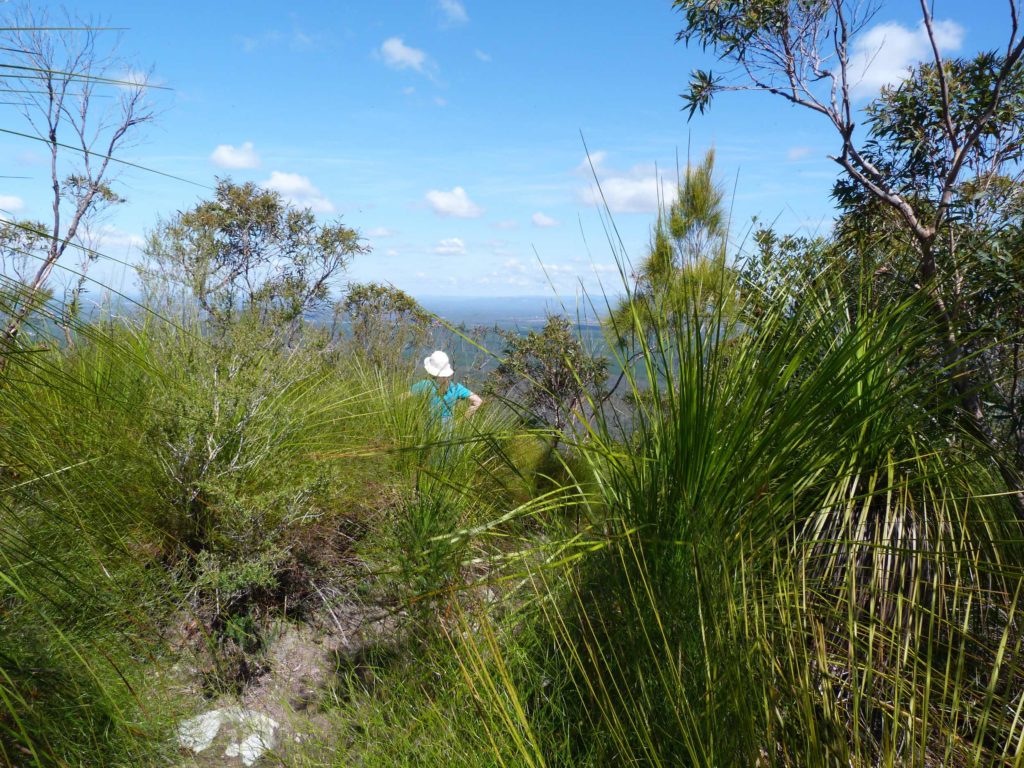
[[964, 384]]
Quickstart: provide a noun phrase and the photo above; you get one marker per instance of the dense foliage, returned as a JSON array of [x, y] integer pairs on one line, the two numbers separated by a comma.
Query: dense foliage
[[791, 539]]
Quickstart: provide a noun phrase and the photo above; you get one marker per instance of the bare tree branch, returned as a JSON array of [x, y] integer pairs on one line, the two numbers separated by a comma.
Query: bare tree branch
[[940, 71], [70, 66]]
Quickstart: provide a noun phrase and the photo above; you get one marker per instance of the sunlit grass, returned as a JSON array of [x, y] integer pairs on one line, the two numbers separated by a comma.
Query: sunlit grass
[[794, 566], [768, 553]]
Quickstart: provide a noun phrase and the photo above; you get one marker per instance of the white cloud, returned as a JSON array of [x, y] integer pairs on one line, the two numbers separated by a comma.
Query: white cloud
[[797, 153], [299, 190], [409, 90], [227, 156], [398, 55], [455, 203], [595, 159], [454, 11], [482, 55], [543, 220], [507, 224], [501, 249], [560, 269], [440, 101], [11, 203], [380, 232], [633, 193], [507, 280], [450, 246], [565, 276], [882, 54], [641, 189]]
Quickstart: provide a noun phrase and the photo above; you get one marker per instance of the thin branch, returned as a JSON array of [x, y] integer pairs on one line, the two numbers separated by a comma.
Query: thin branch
[[940, 70], [974, 134]]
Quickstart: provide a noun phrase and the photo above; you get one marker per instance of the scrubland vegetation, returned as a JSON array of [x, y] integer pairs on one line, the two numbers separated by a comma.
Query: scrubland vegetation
[[775, 521]]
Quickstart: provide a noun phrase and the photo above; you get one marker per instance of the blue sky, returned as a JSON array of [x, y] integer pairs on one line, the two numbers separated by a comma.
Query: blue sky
[[451, 133]]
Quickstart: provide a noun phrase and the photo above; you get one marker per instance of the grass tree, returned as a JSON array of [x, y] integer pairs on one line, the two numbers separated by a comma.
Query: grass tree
[[784, 563]]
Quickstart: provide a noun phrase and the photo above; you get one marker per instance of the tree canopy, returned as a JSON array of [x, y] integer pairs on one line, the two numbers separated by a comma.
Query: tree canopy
[[939, 160], [685, 272], [249, 251]]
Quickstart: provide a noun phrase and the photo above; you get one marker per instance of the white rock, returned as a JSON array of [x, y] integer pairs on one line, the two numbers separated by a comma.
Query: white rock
[[199, 732], [261, 737], [254, 732]]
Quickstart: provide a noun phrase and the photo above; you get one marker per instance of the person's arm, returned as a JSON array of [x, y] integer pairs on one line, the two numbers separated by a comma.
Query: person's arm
[[462, 393]]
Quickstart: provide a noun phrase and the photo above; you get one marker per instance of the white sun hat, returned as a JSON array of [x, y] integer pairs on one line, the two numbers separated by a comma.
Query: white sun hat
[[438, 365]]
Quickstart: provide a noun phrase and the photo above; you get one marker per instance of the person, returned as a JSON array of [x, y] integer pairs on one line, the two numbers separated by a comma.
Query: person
[[443, 390]]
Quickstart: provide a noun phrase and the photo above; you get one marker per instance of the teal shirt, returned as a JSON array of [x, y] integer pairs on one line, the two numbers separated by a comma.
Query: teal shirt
[[442, 405]]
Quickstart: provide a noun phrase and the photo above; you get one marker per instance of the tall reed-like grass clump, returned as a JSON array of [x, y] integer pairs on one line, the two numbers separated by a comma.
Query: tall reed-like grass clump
[[80, 600], [152, 481], [791, 560], [775, 550]]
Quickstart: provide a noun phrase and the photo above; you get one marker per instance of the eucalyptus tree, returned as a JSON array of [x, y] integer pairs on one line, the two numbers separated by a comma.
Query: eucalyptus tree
[[947, 135], [77, 101], [385, 322], [549, 375], [248, 253]]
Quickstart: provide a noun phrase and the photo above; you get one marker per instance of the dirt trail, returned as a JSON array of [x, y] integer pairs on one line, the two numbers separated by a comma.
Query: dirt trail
[[279, 712]]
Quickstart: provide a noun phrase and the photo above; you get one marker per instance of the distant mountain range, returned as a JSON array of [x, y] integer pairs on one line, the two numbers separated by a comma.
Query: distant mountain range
[[506, 312], [512, 311]]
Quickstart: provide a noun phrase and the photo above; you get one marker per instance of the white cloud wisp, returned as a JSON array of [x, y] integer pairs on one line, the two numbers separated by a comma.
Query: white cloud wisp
[[455, 203], [883, 54], [450, 246], [398, 55], [299, 190], [454, 11], [635, 192], [11, 203], [228, 156]]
